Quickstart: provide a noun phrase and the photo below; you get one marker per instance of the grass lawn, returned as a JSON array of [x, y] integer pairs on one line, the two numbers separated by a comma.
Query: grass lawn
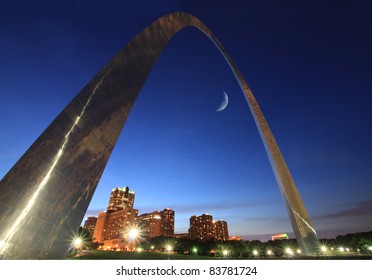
[[113, 255]]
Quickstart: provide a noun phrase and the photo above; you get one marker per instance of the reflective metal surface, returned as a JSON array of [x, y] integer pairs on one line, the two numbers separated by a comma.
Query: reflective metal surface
[[44, 197]]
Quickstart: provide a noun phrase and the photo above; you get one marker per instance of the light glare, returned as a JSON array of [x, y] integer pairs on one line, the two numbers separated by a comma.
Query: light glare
[[289, 251], [77, 241]]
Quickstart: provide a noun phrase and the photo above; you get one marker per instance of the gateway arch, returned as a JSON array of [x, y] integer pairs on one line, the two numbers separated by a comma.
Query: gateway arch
[[45, 195]]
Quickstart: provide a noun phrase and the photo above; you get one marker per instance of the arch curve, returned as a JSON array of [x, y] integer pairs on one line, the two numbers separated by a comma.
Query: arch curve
[[45, 195]]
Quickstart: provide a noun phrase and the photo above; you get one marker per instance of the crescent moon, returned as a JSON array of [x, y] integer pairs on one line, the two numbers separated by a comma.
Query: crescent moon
[[224, 102]]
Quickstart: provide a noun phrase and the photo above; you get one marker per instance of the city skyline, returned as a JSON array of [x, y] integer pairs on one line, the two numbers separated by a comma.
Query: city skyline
[[185, 153], [139, 214]]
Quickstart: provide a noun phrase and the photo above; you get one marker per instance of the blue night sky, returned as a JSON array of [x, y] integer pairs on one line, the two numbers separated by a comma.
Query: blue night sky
[[308, 65]]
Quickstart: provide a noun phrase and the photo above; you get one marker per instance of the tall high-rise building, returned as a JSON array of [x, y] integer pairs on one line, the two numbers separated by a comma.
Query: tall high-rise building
[[203, 227], [90, 224], [120, 198], [167, 222], [221, 231], [157, 223], [114, 224]]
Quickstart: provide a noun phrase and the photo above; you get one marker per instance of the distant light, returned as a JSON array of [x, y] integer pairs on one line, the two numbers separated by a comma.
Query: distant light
[[169, 248], [255, 252], [195, 250], [347, 250], [152, 247], [369, 248], [139, 250], [341, 249], [289, 251], [299, 251], [225, 252], [269, 252], [323, 249]]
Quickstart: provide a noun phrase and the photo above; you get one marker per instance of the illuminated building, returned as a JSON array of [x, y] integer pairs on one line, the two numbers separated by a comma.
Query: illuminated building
[[280, 236], [221, 231], [112, 225], [235, 238], [167, 222], [90, 224], [100, 227], [157, 223], [119, 222], [121, 198], [150, 224], [202, 227]]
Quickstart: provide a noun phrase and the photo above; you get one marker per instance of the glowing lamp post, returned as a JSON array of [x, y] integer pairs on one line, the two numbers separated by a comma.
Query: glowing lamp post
[[77, 243], [289, 252], [133, 234], [168, 248], [225, 253], [323, 249], [195, 250]]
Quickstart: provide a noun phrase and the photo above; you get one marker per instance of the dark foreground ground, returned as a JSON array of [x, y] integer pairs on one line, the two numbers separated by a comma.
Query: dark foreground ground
[[113, 255]]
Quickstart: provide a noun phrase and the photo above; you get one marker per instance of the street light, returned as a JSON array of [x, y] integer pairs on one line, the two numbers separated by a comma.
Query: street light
[[255, 253], [195, 250], [133, 234], [225, 253], [289, 251], [168, 248], [77, 243], [269, 252]]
